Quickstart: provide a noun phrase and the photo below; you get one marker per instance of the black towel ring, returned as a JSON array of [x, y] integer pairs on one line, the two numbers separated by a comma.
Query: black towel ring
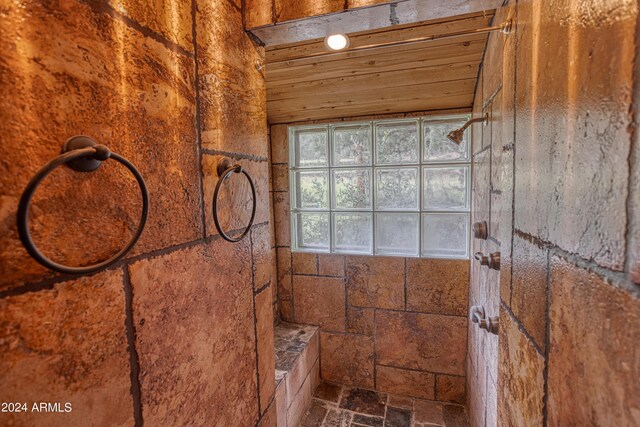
[[82, 154], [225, 169]]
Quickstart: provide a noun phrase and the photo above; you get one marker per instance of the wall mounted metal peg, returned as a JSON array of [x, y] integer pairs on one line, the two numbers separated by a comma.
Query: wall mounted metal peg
[[480, 230]]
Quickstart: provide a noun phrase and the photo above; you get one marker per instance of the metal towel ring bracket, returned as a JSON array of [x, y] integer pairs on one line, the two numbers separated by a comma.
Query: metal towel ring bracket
[[82, 154], [225, 169]]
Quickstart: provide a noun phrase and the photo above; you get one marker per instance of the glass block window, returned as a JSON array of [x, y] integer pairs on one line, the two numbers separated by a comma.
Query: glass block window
[[388, 187]]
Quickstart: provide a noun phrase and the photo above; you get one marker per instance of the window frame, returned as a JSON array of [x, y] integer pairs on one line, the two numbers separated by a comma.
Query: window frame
[[421, 165]]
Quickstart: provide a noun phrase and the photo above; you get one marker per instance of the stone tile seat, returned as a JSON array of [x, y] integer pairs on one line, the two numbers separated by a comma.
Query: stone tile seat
[[297, 371]]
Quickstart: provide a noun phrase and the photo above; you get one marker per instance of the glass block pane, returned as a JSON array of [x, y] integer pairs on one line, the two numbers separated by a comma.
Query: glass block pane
[[445, 235], [445, 188], [352, 188], [310, 147], [397, 189], [437, 147], [397, 234], [312, 189], [352, 145], [352, 232], [397, 142], [311, 231]]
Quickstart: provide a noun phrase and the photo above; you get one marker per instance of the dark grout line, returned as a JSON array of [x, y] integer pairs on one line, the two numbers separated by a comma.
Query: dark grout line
[[547, 343], [134, 360], [198, 118], [255, 320], [104, 7], [49, 283], [522, 329], [234, 155]]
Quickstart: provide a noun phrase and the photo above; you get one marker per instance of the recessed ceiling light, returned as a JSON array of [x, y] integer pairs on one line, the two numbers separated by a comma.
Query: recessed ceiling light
[[336, 42]]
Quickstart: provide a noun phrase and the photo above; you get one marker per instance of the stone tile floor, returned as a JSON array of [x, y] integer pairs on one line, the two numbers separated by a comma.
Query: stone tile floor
[[340, 406]]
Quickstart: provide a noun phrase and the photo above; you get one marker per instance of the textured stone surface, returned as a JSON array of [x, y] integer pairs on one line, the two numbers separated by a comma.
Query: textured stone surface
[[266, 353], [287, 10], [428, 412], [67, 344], [169, 19], [137, 99], [450, 388], [282, 218], [438, 286], [285, 286], [405, 382], [219, 360], [576, 165], [280, 177], [595, 365], [233, 96], [347, 359], [421, 341], [258, 13], [304, 263], [262, 254], [279, 145], [331, 265], [308, 291], [364, 401], [521, 381], [529, 287], [375, 282], [360, 320]]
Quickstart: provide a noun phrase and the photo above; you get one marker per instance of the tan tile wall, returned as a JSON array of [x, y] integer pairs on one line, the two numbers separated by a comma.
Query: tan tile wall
[[181, 331], [561, 158], [392, 324]]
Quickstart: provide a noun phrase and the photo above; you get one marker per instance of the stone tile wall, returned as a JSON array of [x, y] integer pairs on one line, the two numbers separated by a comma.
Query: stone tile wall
[[392, 324], [561, 162], [186, 319], [258, 13]]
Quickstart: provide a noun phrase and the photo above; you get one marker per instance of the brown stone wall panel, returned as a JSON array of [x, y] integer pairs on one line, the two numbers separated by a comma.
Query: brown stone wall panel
[[480, 189], [171, 19], [578, 164], [282, 218], [232, 90], [258, 13], [234, 200], [304, 263], [360, 320], [137, 99], [286, 310], [331, 265], [438, 286], [405, 382], [280, 177], [529, 299], [593, 355], [450, 388], [376, 282], [285, 287], [426, 342], [492, 62], [279, 144], [67, 344], [347, 359], [319, 301], [521, 380], [287, 10], [262, 254], [364, 3], [266, 353], [270, 418], [194, 320]]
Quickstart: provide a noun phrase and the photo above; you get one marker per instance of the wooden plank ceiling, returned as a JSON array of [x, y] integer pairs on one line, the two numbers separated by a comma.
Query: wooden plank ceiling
[[430, 75]]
